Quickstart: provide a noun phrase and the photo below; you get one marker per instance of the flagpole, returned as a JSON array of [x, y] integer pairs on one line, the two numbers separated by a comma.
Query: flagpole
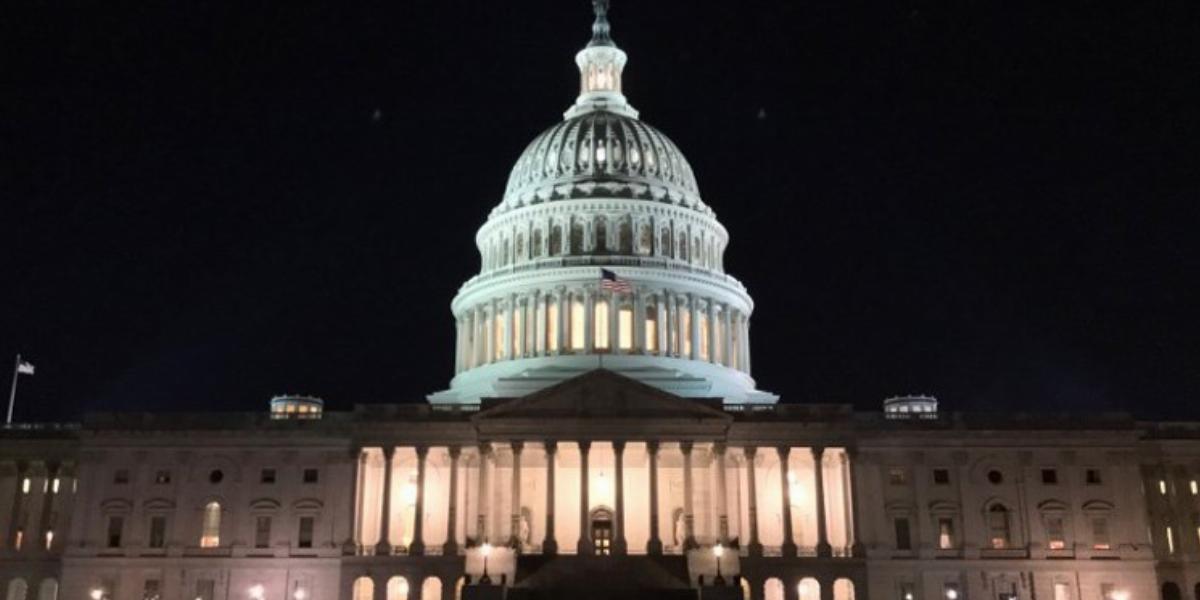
[[12, 395]]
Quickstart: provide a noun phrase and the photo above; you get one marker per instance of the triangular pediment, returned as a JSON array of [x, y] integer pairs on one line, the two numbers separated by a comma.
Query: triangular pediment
[[602, 395]]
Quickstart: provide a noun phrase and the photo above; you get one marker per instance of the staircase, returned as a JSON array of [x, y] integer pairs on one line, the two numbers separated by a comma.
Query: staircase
[[601, 578]]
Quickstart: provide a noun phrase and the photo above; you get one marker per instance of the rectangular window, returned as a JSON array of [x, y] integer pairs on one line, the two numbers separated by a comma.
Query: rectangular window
[[162, 477], [1055, 538], [1195, 487], [262, 532], [266, 476], [311, 475], [205, 589], [652, 329], [151, 590], [552, 327], [945, 533], [1092, 477], [703, 349], [1162, 487], [576, 324], [625, 329], [121, 476], [1100, 533], [903, 537], [897, 476], [600, 322], [1049, 477], [158, 531], [941, 476], [305, 539], [115, 526], [685, 331]]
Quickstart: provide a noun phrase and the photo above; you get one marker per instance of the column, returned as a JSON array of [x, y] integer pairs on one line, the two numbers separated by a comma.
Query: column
[[722, 496], [589, 322], [510, 326], [639, 323], [746, 341], [789, 542], [514, 524], [481, 532], [694, 307], [823, 548], [660, 308], [674, 325], [755, 547], [857, 550], [562, 320], [353, 544], [689, 517], [458, 345], [550, 545], [450, 548], [491, 334], [585, 530], [384, 547], [479, 346], [417, 547], [620, 547], [712, 332], [654, 545], [727, 336]]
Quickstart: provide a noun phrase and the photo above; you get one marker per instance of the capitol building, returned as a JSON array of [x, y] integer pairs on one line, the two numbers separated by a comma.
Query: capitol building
[[602, 436]]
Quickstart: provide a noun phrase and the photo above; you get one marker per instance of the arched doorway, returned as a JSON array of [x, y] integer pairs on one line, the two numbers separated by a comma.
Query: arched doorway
[[1170, 591], [602, 531]]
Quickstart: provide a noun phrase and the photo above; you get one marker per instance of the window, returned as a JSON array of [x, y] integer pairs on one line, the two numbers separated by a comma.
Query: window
[[210, 533], [995, 477], [115, 525], [55, 485], [1100, 533], [903, 536], [685, 327], [600, 319], [625, 328], [205, 589], [266, 476], [151, 590], [158, 531], [162, 477], [945, 533], [216, 476], [1062, 591], [1049, 477], [1195, 487], [305, 539], [49, 539], [1162, 487], [897, 476], [576, 324], [1092, 477], [262, 532], [998, 526], [552, 326], [941, 476], [1055, 538], [652, 328], [121, 476], [26, 485], [1170, 540], [311, 475]]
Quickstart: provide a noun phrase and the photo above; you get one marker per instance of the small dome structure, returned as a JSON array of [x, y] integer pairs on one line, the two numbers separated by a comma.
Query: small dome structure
[[296, 407]]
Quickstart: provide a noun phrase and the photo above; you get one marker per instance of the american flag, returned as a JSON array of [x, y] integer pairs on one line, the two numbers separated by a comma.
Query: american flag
[[609, 281]]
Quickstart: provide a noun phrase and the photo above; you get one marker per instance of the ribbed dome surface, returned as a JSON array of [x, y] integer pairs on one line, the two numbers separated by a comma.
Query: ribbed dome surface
[[601, 154]]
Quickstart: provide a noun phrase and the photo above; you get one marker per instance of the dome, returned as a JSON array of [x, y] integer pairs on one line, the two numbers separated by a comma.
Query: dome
[[601, 154]]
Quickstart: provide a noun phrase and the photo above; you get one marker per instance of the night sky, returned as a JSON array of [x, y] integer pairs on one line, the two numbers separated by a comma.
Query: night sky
[[203, 204]]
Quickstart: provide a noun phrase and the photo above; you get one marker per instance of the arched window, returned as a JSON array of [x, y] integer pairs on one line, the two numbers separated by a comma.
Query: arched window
[[504, 253], [556, 240], [536, 243], [645, 239], [17, 589], [998, 526], [664, 243], [397, 588], [520, 253], [773, 589], [697, 251], [210, 531], [431, 589], [625, 237], [601, 236], [364, 588], [576, 239], [683, 253], [808, 589], [48, 590], [600, 320], [843, 589]]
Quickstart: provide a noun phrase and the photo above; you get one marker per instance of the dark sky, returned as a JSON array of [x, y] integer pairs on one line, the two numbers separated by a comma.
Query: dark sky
[[993, 202]]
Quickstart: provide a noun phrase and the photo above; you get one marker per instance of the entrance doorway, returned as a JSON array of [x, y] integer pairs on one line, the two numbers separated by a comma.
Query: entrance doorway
[[602, 531]]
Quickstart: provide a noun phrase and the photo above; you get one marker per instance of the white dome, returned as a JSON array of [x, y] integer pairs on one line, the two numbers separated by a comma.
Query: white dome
[[601, 154]]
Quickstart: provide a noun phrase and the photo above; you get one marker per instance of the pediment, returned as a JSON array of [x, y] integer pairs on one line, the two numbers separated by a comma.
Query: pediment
[[602, 395]]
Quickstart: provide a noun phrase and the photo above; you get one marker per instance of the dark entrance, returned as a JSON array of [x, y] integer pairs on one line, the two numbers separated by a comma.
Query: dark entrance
[[602, 531]]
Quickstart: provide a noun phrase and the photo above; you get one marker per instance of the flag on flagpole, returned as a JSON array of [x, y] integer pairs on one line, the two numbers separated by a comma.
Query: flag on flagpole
[[609, 281], [25, 368]]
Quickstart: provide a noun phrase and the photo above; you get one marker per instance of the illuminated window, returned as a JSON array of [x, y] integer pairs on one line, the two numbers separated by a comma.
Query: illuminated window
[[1170, 540], [1100, 533], [552, 327], [652, 329], [625, 328], [685, 332], [998, 526], [945, 533], [1062, 591], [1162, 487], [518, 341], [210, 533], [703, 336], [1194, 487], [600, 319], [49, 538], [1055, 539], [26, 485], [19, 539], [577, 324], [498, 335], [718, 331]]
